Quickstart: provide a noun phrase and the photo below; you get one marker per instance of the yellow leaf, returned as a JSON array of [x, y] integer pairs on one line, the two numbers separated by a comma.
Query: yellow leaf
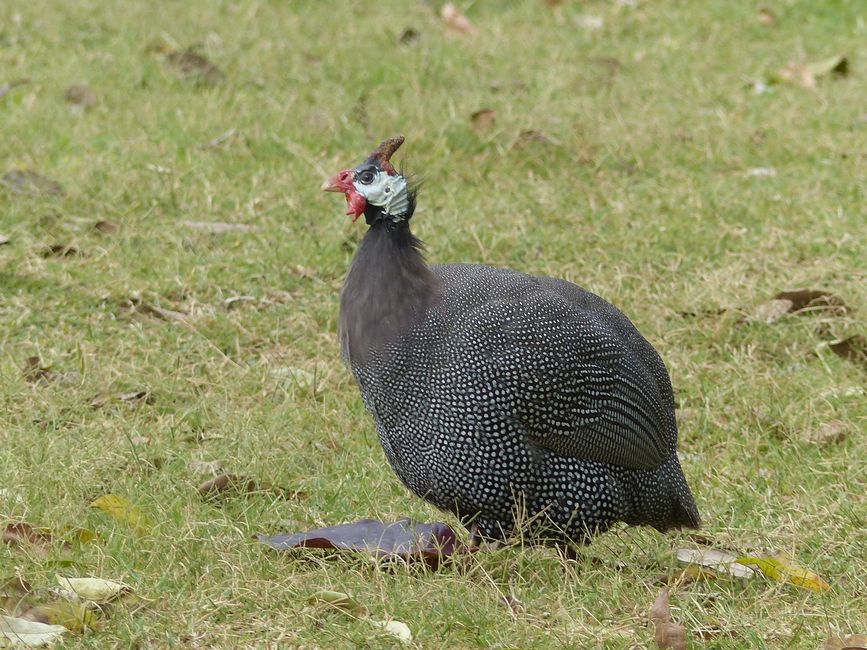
[[122, 510], [780, 566], [74, 616], [95, 589]]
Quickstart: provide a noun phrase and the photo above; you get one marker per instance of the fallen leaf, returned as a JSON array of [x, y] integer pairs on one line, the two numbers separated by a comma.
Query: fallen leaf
[[686, 575], [531, 137], [806, 75], [810, 301], [233, 301], [4, 240], [234, 485], [429, 543], [81, 96], [338, 600], [60, 250], [780, 566], [408, 36], [31, 634], [851, 642], [484, 119], [827, 433], [199, 466], [8, 86], [666, 633], [589, 22], [720, 561], [766, 16], [22, 534], [107, 227], [220, 139], [24, 181], [853, 349], [122, 510], [769, 172], [74, 616], [216, 227], [455, 20], [193, 64], [129, 397], [35, 372], [160, 312], [98, 590], [397, 629]]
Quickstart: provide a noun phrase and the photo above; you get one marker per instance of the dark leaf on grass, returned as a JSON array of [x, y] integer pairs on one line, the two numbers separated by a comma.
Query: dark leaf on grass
[[667, 633], [193, 64], [853, 349], [813, 300], [484, 119], [35, 372], [128, 397], [805, 301], [24, 181], [23, 534], [409, 36], [107, 227], [60, 250], [532, 137], [5, 88], [851, 642], [216, 227], [403, 539], [766, 16], [80, 96], [226, 485]]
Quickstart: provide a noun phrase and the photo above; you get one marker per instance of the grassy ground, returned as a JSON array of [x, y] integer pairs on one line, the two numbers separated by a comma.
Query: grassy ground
[[644, 195]]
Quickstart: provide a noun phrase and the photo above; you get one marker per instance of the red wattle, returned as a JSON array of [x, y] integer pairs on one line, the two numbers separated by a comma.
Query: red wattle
[[355, 204]]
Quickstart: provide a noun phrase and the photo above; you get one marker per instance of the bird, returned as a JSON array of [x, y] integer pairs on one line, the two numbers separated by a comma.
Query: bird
[[526, 406]]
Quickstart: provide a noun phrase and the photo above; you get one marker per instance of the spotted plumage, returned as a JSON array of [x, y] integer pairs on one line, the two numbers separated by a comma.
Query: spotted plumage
[[519, 403]]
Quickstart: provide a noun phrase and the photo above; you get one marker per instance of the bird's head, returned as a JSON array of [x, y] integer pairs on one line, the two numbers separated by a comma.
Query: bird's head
[[374, 188]]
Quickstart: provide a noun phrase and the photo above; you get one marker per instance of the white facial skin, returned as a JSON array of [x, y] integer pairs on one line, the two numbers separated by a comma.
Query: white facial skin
[[383, 190]]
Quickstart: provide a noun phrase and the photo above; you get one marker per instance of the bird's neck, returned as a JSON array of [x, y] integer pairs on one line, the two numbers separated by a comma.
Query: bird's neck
[[388, 289]]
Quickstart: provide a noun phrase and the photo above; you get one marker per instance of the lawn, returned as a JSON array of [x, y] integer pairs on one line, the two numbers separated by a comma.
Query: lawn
[[648, 151]]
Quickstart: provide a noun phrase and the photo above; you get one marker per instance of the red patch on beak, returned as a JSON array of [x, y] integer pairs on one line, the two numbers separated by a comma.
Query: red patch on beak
[[342, 182]]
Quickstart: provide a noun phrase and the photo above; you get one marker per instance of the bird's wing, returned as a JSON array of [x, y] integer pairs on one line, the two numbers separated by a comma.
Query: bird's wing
[[570, 380]]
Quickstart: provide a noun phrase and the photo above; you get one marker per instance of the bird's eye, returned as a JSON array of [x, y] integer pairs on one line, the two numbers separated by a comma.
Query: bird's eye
[[366, 177]]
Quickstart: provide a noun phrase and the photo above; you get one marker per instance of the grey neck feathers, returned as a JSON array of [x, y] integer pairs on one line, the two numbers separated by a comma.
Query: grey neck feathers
[[388, 289]]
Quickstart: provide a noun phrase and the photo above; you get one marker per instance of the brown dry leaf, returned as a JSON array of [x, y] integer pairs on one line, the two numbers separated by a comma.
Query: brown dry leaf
[[828, 433], [8, 86], [160, 312], [35, 372], [23, 534], [667, 633], [216, 227], [455, 20], [808, 301], [766, 16], [531, 137], [60, 250], [128, 397], [806, 75], [193, 64], [409, 36], [515, 606], [24, 181], [851, 642], [80, 96], [107, 227], [853, 349], [227, 484], [483, 119]]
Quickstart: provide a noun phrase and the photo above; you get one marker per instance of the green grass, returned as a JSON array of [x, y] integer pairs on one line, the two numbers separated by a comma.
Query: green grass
[[645, 199]]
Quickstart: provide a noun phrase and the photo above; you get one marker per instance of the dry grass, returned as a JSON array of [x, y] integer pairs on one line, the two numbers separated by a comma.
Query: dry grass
[[644, 196]]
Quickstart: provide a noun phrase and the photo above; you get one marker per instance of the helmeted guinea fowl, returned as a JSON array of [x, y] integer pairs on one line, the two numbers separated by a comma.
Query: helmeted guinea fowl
[[519, 403]]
